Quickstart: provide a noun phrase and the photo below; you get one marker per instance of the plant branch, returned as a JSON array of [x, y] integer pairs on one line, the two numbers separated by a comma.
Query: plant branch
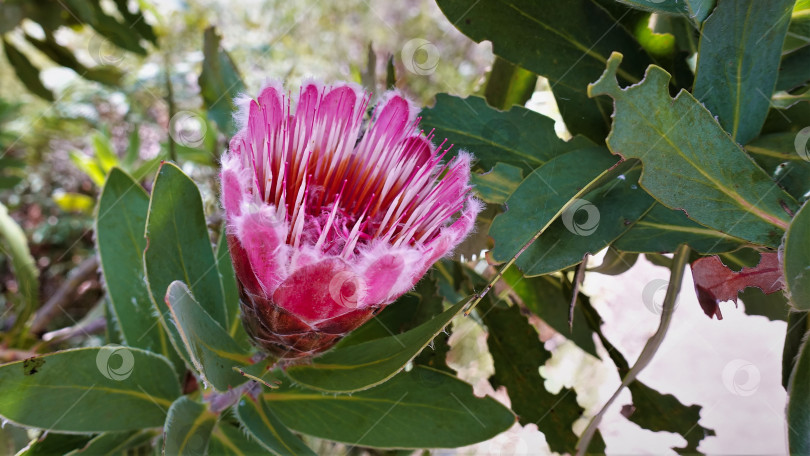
[[653, 343]]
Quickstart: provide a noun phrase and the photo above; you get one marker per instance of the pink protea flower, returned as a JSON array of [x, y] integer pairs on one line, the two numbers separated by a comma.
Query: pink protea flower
[[328, 221]]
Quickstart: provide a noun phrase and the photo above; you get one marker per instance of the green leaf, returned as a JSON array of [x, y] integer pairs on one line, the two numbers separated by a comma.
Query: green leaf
[[262, 424], [795, 260], [663, 229], [798, 408], [590, 223], [120, 223], [794, 68], [518, 354], [51, 444], [508, 85], [228, 440], [178, 246], [772, 306], [26, 72], [212, 350], [797, 326], [362, 366], [188, 428], [422, 408], [545, 297], [566, 42], [496, 185], [14, 245], [615, 262], [62, 56], [113, 443], [219, 82], [738, 62], [777, 153], [230, 288], [518, 137], [86, 390], [543, 195], [670, 137], [695, 10]]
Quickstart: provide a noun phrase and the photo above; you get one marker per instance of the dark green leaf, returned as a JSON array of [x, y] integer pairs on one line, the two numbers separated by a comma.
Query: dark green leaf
[[544, 195], [219, 82], [423, 408], [368, 364], [86, 390], [795, 260], [188, 428], [794, 69], [496, 185], [230, 289], [120, 224], [228, 440], [773, 306], [695, 10], [212, 350], [777, 154], [51, 444], [518, 137], [738, 198], [113, 443], [262, 424], [27, 73], [663, 229], [64, 57], [566, 42], [615, 262], [797, 326], [518, 354], [590, 223], [738, 62], [178, 246], [545, 297], [798, 408]]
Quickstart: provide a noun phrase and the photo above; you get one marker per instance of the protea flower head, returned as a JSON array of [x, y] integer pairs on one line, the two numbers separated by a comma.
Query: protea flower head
[[329, 221]]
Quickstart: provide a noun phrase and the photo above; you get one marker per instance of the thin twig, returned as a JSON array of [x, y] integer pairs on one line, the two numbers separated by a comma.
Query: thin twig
[[62, 296]]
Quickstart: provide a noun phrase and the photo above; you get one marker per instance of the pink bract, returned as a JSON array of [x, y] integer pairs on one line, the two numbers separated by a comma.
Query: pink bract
[[329, 220]]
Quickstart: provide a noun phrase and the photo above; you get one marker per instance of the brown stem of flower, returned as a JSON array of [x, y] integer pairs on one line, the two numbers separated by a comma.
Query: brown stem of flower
[[57, 302]]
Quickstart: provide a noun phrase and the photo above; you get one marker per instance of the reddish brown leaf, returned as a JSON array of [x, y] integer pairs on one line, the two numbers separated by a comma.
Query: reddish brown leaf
[[715, 282]]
